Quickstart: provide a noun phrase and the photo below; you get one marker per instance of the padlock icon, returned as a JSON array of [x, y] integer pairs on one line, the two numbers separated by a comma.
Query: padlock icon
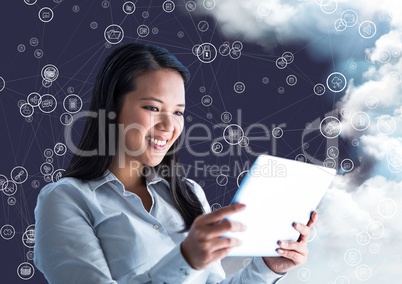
[[206, 52]]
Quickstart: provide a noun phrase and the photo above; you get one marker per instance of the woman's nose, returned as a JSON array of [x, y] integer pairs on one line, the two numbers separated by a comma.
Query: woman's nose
[[166, 121]]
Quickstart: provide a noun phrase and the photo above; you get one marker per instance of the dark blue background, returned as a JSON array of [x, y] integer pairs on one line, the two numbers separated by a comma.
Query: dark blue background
[[77, 50]]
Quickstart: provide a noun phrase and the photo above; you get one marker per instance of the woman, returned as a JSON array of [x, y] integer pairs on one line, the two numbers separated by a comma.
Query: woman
[[123, 212]]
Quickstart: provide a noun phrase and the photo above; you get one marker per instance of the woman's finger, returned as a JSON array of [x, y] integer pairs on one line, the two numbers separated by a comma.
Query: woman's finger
[[313, 219], [220, 214], [304, 232], [295, 246], [219, 254], [292, 255], [220, 228], [224, 243]]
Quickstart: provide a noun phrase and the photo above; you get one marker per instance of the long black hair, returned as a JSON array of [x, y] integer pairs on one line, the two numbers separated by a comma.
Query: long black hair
[[115, 79]]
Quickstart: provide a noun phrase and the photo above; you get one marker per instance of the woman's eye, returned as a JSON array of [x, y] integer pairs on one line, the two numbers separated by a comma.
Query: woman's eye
[[152, 108]]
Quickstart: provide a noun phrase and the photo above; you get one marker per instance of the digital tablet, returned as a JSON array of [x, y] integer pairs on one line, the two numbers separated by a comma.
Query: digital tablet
[[277, 192]]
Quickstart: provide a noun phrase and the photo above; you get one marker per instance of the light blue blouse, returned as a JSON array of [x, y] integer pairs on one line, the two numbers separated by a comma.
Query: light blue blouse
[[97, 232]]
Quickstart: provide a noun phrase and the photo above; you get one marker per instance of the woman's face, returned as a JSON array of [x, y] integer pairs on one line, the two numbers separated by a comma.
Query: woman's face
[[152, 117]]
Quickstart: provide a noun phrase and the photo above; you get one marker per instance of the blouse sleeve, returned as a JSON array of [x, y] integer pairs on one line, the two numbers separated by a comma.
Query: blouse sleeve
[[67, 249], [255, 272]]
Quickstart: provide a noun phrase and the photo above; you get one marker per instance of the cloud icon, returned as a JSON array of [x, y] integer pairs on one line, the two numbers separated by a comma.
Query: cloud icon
[[337, 82]]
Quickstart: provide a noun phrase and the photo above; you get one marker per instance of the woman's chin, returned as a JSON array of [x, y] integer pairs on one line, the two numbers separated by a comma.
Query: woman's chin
[[154, 161]]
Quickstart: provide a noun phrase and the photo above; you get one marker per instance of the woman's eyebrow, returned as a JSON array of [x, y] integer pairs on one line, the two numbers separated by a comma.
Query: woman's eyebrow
[[158, 100]]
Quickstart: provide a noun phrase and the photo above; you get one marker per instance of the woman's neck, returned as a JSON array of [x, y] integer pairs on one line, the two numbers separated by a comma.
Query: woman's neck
[[130, 175]]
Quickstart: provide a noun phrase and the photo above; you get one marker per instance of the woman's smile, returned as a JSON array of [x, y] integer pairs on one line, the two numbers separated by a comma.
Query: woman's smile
[[158, 143]]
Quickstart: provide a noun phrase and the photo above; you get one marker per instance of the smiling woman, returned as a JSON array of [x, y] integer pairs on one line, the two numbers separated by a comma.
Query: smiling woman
[[148, 127], [159, 116], [127, 76], [119, 217]]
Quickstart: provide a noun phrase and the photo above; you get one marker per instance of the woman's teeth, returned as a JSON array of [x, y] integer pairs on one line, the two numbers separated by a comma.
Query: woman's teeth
[[157, 142]]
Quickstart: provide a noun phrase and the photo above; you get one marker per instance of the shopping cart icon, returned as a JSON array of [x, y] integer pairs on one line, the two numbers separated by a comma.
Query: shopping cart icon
[[113, 34]]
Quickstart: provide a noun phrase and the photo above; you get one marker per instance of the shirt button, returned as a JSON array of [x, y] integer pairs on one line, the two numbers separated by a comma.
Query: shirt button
[[156, 227], [184, 271]]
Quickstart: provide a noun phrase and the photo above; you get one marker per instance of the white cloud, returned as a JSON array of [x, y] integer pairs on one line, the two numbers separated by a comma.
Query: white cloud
[[294, 21], [349, 207], [343, 216]]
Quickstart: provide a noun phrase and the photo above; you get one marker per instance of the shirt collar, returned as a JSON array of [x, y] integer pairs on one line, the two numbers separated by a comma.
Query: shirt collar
[[151, 177]]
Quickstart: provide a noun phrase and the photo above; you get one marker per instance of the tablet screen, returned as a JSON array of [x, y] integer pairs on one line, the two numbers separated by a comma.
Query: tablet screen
[[277, 192]]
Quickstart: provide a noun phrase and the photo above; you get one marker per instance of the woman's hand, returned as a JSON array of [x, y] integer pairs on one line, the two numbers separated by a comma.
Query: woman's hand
[[203, 244], [293, 254]]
